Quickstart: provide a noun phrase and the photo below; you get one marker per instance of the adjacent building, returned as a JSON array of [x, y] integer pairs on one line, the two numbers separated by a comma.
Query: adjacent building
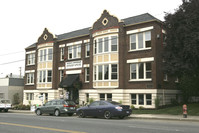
[[114, 59], [11, 87]]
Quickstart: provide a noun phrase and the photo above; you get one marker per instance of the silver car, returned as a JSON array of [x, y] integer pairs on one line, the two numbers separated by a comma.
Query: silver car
[[57, 107]]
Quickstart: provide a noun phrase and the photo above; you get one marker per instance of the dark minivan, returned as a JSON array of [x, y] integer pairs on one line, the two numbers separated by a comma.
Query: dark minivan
[[57, 107]]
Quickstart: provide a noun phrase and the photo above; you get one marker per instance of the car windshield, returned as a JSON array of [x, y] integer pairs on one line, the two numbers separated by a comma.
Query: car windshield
[[115, 103], [69, 103], [5, 101]]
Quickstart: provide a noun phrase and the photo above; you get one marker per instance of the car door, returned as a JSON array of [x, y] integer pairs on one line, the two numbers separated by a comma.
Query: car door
[[52, 107], [46, 107], [93, 109]]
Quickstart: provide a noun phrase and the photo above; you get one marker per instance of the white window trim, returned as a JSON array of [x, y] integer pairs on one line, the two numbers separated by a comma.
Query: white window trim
[[46, 76], [109, 44], [61, 53], [32, 59], [46, 56], [144, 44], [86, 81], [77, 48], [137, 73], [110, 72], [28, 75], [145, 100]]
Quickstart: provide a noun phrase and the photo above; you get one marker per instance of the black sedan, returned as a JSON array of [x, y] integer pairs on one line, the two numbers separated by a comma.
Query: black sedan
[[106, 109]]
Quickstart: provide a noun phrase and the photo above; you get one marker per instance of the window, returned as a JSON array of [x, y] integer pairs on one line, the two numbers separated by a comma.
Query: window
[[100, 72], [87, 75], [30, 78], [133, 99], [74, 52], [105, 44], [30, 59], [107, 97], [140, 40], [45, 76], [87, 45], [50, 54], [49, 76], [61, 54], [45, 54], [113, 43], [105, 72], [141, 71], [102, 96], [29, 96], [114, 71], [148, 99], [141, 99]]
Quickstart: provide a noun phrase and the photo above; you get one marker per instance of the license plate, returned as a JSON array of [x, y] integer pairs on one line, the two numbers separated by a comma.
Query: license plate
[[127, 112]]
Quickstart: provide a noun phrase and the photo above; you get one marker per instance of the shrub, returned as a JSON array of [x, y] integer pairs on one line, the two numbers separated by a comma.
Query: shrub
[[157, 103], [141, 107], [132, 107], [91, 100]]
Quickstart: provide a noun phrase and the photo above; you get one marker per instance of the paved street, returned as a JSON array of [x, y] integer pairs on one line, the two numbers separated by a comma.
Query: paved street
[[30, 123]]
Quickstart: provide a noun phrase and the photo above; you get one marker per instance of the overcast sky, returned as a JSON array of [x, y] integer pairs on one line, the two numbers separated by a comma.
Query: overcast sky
[[23, 21]]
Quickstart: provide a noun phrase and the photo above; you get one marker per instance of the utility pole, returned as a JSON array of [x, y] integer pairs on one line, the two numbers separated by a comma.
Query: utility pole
[[20, 71]]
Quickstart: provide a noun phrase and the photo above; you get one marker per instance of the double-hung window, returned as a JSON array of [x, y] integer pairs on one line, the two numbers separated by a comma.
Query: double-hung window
[[46, 54], [45, 76], [105, 72], [105, 44], [30, 59], [29, 96], [30, 78], [139, 41], [74, 52], [61, 54], [87, 74], [87, 45], [141, 71]]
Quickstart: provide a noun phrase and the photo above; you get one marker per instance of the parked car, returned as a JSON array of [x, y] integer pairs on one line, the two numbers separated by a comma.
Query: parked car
[[106, 109], [57, 107], [5, 105]]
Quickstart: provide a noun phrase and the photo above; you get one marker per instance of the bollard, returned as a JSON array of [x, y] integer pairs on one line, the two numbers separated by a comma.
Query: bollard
[[184, 111]]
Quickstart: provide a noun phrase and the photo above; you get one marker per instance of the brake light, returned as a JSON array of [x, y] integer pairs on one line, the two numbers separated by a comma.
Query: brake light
[[64, 105], [119, 108]]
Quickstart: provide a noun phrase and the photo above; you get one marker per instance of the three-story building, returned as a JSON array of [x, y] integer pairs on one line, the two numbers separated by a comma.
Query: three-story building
[[119, 60]]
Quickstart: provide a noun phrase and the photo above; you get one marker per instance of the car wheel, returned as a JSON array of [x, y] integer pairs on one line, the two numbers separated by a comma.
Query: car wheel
[[121, 117], [5, 110], [70, 114], [38, 112], [81, 114], [107, 115], [57, 112]]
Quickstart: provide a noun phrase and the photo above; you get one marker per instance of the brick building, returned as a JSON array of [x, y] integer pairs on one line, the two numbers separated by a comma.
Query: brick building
[[115, 59]]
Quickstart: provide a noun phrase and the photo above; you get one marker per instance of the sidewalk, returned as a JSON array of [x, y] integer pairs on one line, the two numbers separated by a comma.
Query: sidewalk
[[139, 116], [165, 117]]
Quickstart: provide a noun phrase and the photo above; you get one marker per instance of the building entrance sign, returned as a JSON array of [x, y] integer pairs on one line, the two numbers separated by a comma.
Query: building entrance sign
[[74, 64]]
